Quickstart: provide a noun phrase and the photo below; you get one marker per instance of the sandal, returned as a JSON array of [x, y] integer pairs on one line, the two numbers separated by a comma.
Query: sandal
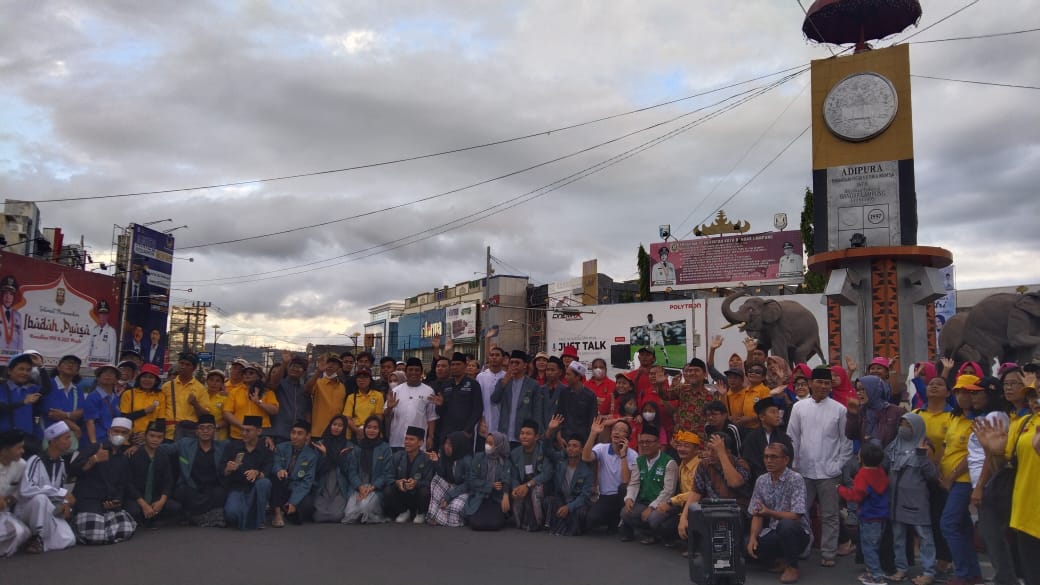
[[34, 546], [897, 577], [827, 563], [923, 580]]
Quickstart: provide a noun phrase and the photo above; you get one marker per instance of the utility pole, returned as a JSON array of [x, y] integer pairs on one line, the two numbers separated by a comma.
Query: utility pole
[[482, 343]]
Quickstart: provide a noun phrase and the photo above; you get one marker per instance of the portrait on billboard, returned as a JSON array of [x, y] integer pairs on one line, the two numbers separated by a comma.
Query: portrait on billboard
[[790, 264], [104, 342], [12, 319], [662, 273]]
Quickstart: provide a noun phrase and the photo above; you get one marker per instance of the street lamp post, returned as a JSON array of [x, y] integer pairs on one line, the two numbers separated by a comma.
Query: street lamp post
[[216, 335]]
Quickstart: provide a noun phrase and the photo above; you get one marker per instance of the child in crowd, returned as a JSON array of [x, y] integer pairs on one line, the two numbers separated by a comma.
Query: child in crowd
[[870, 490]]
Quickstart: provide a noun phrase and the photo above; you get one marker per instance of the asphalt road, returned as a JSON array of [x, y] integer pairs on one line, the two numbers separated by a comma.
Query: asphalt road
[[391, 554]]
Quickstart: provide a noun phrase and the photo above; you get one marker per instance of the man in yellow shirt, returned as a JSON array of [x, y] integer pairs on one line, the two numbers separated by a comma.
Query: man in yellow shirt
[[328, 393], [186, 398], [235, 380], [741, 398], [252, 398]]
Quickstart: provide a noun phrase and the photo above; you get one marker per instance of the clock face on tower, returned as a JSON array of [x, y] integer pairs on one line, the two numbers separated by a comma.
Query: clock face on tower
[[860, 107]]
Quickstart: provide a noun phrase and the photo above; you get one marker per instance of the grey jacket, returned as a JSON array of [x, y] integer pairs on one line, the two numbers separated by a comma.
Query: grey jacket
[[529, 406], [908, 491]]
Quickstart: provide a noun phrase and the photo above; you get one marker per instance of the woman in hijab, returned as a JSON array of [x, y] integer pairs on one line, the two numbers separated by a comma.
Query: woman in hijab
[[842, 389], [910, 470], [448, 490], [871, 417], [331, 498], [368, 472], [488, 485]]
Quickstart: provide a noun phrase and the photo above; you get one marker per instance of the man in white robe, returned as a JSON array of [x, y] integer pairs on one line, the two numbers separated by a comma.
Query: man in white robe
[[13, 532], [44, 505]]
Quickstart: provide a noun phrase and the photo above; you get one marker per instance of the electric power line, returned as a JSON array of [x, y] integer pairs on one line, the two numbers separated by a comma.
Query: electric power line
[[993, 83], [760, 171], [941, 20], [511, 202], [458, 189], [973, 37], [421, 156], [737, 163], [706, 117]]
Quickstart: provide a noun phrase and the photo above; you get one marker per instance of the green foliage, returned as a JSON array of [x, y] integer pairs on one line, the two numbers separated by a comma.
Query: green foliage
[[643, 262], [813, 282]]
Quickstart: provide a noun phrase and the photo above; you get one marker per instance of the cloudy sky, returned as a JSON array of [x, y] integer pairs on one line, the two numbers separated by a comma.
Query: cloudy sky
[[106, 98]]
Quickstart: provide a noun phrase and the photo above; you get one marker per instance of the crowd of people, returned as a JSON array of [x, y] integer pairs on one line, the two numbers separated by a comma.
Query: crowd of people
[[892, 469]]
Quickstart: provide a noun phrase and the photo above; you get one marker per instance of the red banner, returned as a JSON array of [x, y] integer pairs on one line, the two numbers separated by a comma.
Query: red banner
[[726, 261], [57, 311]]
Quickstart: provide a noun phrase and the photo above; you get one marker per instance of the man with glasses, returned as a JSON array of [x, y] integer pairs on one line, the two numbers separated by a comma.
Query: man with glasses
[[780, 531], [652, 487]]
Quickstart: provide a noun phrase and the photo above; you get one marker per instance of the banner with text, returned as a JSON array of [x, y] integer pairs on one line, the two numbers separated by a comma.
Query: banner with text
[[616, 332], [56, 310], [727, 261]]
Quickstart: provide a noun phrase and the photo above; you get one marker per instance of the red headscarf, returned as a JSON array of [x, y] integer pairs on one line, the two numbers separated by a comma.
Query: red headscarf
[[843, 391]]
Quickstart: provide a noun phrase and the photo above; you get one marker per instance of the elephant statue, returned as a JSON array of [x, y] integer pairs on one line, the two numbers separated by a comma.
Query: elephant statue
[[784, 328], [1004, 326]]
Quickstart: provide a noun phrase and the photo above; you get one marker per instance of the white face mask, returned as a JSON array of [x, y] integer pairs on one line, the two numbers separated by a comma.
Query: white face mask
[[116, 440], [489, 449], [649, 416], [598, 373]]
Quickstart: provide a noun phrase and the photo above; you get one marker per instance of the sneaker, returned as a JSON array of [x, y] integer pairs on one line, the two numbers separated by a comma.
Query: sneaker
[[403, 517], [419, 519], [868, 579]]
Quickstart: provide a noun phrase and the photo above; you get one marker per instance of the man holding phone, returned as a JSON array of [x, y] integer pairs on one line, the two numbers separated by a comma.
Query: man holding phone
[[247, 467], [617, 463]]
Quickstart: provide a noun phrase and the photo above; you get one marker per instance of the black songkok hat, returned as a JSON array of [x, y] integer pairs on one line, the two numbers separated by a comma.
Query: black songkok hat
[[821, 373], [253, 421], [415, 432]]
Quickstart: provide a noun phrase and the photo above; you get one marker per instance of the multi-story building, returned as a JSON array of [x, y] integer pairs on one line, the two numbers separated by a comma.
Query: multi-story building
[[380, 335]]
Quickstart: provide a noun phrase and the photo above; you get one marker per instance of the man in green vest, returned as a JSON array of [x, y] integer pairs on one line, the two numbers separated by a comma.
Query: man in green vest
[[653, 486]]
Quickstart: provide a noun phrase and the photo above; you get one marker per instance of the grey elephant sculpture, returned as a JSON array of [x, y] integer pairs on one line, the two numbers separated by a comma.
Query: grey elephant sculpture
[[784, 328], [1004, 326]]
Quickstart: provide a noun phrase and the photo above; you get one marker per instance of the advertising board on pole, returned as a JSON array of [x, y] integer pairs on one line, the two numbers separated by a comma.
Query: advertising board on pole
[[147, 294]]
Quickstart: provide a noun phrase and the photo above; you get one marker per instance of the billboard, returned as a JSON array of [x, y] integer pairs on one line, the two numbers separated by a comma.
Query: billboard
[[461, 321], [416, 330], [616, 332], [727, 261], [676, 330], [57, 311], [147, 294]]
